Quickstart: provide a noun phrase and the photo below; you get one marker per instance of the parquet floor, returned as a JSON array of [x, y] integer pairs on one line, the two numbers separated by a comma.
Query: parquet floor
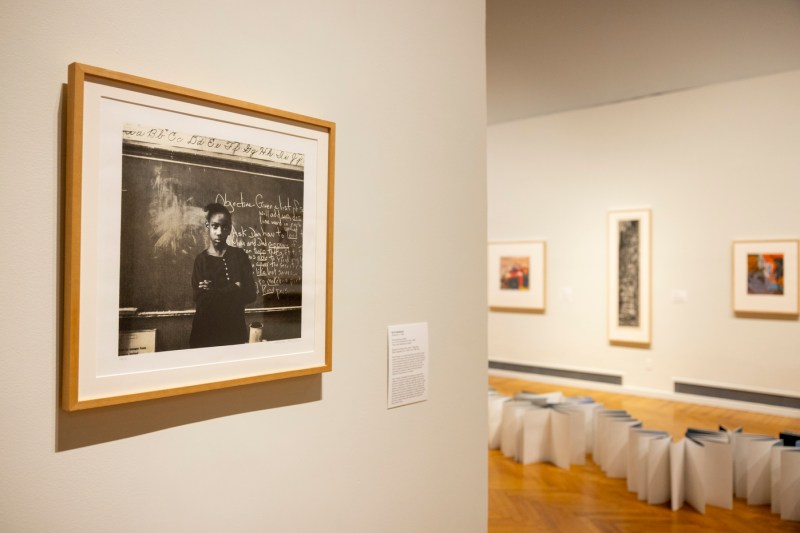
[[544, 498]]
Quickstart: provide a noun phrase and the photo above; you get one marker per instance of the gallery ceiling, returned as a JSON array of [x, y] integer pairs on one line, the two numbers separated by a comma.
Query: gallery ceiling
[[548, 56]]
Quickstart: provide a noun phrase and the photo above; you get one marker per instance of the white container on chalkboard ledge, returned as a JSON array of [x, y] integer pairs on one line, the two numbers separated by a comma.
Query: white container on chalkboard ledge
[[256, 332]]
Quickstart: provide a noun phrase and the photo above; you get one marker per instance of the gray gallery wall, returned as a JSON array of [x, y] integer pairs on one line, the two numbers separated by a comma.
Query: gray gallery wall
[[405, 83]]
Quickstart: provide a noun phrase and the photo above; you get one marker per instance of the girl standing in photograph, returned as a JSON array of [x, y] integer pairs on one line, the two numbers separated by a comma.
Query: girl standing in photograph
[[222, 284]]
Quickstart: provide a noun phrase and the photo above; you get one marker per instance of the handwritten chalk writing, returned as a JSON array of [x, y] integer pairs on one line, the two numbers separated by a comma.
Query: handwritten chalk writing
[[233, 204], [289, 158], [153, 134], [273, 244], [286, 209], [167, 138]]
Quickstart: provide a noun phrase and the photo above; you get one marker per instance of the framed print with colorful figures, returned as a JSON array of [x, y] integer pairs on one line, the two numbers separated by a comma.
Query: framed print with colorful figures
[[517, 276]]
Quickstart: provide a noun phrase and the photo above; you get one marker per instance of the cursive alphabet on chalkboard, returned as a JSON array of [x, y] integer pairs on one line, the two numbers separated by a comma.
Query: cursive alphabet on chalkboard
[[174, 141]]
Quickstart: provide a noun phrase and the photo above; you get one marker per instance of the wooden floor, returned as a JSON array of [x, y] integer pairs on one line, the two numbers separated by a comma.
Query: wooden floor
[[542, 497]]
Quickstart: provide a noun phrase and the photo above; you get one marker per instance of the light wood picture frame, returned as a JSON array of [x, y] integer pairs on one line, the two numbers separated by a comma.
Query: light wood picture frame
[[140, 320], [764, 278], [517, 276], [629, 277]]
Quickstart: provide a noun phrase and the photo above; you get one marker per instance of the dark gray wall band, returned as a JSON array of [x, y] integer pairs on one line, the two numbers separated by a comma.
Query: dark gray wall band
[[740, 395], [558, 372], [684, 388]]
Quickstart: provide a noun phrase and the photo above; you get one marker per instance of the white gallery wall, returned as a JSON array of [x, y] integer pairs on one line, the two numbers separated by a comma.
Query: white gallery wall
[[405, 83], [715, 164]]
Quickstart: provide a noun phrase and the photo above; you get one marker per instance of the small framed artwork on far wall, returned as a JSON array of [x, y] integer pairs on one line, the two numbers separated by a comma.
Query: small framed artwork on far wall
[[517, 273], [629, 234], [764, 277]]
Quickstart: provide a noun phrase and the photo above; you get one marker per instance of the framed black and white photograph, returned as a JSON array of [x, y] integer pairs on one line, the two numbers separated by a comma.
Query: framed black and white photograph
[[198, 241], [629, 320]]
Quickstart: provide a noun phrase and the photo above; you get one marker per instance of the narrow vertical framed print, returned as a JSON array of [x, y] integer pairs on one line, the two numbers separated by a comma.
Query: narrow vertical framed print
[[629, 270], [517, 276], [764, 278], [198, 241]]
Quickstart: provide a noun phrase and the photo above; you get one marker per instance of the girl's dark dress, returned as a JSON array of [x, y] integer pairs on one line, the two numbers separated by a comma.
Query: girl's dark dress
[[219, 318]]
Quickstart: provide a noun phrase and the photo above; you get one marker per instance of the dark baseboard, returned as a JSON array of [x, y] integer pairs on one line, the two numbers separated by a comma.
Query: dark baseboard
[[739, 395], [557, 372]]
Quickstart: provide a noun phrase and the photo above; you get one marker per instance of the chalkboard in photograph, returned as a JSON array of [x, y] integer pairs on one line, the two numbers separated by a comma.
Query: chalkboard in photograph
[[167, 179]]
